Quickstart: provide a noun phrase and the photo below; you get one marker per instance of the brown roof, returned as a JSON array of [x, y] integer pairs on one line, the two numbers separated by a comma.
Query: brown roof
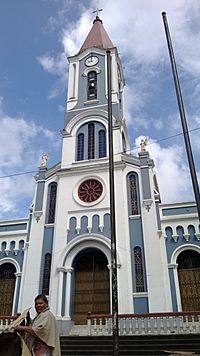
[[97, 37]]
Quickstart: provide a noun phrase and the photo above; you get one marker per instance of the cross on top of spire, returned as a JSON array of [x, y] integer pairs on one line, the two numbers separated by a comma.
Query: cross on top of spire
[[97, 11]]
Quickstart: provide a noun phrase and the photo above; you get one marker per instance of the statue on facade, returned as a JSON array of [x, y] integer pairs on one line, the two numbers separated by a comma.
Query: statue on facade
[[143, 144], [45, 157]]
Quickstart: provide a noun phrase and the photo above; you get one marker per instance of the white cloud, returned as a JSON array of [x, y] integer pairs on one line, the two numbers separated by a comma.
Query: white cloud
[[139, 36], [136, 28], [22, 144], [172, 171]]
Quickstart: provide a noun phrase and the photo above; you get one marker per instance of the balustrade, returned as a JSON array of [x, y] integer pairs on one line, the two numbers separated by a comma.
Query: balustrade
[[6, 321], [144, 324]]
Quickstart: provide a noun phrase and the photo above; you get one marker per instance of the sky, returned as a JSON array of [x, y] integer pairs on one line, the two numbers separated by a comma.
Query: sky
[[37, 36]]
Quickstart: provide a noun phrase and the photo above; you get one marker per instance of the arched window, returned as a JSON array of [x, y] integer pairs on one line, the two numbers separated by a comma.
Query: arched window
[[92, 85], [46, 274], [139, 276], [80, 147], [91, 141], [133, 195], [189, 279], [52, 203], [102, 143], [7, 287]]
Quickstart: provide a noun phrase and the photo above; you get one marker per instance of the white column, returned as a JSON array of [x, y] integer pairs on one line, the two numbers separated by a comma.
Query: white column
[[60, 271], [174, 266], [18, 277], [110, 277], [68, 292]]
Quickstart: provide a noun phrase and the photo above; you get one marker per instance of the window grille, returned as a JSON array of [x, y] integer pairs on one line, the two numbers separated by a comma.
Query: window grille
[[133, 194], [138, 270], [7, 271], [46, 275], [52, 203]]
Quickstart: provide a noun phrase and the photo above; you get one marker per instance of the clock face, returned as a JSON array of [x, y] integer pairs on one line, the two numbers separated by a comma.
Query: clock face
[[91, 61]]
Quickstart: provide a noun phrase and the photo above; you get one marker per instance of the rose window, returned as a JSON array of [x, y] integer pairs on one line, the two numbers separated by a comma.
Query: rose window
[[90, 190]]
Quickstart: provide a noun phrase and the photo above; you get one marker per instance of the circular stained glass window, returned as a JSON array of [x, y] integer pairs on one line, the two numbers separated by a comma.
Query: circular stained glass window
[[90, 190]]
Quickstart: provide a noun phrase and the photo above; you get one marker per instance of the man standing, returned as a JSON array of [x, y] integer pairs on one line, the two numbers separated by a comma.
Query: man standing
[[43, 336]]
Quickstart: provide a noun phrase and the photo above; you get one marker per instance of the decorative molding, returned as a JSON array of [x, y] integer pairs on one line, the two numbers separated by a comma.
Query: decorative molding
[[18, 274], [197, 236], [78, 229], [101, 227], [87, 70], [140, 294], [37, 215], [118, 266], [186, 237], [175, 238], [26, 244], [16, 250], [173, 265], [7, 251], [159, 232], [147, 203], [89, 228]]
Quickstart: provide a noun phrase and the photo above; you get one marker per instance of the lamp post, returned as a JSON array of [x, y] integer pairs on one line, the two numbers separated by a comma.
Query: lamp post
[[115, 329], [182, 115]]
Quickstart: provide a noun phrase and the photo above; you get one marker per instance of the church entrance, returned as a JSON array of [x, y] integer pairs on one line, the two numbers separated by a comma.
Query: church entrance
[[92, 286], [7, 287], [189, 279]]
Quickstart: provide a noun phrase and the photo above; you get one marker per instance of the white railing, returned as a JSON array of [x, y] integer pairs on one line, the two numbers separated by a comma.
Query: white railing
[[5, 321], [145, 324]]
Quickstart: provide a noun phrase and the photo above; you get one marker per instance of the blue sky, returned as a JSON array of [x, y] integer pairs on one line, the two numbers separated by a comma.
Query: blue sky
[[36, 38]]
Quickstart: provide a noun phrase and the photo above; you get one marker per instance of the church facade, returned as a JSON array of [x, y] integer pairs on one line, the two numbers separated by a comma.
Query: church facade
[[63, 248]]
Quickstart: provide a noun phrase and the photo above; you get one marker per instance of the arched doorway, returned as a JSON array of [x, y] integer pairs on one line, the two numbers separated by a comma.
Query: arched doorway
[[92, 287], [7, 287], [189, 279]]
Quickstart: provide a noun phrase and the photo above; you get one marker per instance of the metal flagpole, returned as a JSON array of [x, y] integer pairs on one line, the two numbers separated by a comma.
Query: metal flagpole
[[115, 328], [182, 115]]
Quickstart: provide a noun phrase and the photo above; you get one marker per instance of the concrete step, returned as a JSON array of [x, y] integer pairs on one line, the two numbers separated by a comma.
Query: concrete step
[[79, 330], [129, 345]]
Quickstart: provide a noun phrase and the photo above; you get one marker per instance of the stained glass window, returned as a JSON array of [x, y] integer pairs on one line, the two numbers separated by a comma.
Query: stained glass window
[[90, 190], [52, 203]]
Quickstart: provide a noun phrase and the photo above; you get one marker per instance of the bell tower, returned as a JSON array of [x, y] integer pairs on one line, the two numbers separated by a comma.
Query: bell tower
[[85, 127]]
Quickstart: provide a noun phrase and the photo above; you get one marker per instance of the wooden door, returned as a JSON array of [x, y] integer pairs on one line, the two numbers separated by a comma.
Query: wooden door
[[189, 280], [92, 287], [7, 287]]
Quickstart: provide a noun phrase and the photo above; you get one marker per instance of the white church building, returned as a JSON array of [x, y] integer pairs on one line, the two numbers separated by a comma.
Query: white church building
[[63, 248]]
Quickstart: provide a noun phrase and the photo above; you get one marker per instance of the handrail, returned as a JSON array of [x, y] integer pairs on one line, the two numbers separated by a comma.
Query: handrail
[[8, 317], [185, 313]]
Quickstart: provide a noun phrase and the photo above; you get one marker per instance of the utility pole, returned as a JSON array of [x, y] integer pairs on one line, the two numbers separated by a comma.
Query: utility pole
[[182, 115], [115, 328]]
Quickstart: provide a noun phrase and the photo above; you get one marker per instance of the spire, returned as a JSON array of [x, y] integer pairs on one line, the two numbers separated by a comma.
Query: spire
[[97, 37]]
